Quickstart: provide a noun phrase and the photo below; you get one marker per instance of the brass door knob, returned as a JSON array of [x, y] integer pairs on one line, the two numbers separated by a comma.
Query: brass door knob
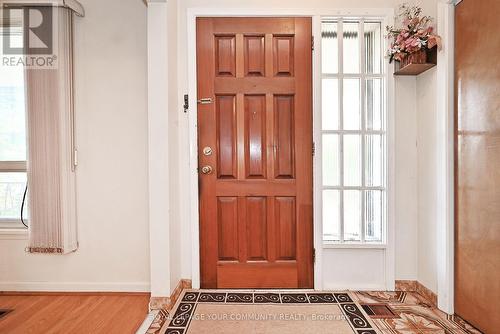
[[206, 170]]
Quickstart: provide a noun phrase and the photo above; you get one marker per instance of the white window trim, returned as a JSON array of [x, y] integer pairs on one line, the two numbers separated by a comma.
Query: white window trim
[[9, 226], [387, 14]]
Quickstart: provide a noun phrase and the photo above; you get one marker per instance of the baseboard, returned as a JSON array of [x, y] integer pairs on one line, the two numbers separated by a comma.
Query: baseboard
[[406, 285], [416, 286], [427, 293], [69, 287], [166, 303]]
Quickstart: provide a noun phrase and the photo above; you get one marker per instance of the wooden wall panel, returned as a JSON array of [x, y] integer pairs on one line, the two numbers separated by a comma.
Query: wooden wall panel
[[285, 218], [255, 136], [284, 137], [226, 137], [477, 164], [254, 56], [283, 50], [227, 227], [256, 226], [225, 56]]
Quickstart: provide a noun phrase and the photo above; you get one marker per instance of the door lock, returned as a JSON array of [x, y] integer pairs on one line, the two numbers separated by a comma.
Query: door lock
[[206, 170], [207, 151]]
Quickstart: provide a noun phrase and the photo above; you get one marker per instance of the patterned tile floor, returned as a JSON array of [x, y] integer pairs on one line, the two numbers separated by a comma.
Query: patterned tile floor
[[373, 312], [408, 312]]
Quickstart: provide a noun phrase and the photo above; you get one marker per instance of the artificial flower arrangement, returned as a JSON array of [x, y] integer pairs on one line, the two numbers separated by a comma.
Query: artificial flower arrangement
[[415, 35]]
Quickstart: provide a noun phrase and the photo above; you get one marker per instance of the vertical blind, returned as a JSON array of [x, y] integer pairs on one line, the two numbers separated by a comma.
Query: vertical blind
[[51, 165]]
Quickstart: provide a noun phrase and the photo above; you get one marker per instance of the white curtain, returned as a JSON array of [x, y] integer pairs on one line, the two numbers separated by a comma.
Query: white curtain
[[51, 151]]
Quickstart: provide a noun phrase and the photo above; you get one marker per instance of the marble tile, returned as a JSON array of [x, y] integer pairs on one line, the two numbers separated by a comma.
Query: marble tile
[[389, 297], [411, 313]]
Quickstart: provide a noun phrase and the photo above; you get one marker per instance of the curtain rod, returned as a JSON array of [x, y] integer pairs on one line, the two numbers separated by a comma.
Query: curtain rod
[[74, 5]]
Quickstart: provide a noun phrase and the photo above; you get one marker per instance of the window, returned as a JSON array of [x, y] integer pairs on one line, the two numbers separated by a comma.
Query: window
[[353, 131], [12, 139]]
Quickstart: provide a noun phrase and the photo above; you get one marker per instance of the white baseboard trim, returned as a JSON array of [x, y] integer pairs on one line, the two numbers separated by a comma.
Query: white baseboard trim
[[75, 286]]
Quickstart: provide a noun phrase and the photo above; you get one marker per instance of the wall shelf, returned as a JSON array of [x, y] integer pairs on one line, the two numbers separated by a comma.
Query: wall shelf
[[417, 63]]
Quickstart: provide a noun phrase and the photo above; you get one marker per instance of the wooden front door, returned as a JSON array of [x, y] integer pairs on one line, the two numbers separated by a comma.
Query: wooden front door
[[255, 152], [477, 246]]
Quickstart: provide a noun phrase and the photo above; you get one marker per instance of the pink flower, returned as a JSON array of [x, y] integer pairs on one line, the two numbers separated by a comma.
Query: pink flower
[[434, 40], [414, 35], [399, 56]]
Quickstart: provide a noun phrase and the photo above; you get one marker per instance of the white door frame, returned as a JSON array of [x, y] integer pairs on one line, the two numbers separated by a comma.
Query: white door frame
[[445, 217], [316, 14]]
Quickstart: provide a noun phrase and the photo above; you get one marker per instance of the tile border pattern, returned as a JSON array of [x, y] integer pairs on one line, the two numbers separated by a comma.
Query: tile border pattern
[[180, 321]]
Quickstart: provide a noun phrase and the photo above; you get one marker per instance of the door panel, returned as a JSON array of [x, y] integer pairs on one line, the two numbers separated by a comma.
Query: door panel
[[284, 208], [255, 140], [283, 55], [256, 202], [477, 238], [283, 137], [255, 56], [226, 136], [227, 226], [256, 219], [225, 56]]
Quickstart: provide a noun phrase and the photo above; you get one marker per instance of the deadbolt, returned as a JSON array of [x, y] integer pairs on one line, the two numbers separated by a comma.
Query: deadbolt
[[207, 150], [206, 169]]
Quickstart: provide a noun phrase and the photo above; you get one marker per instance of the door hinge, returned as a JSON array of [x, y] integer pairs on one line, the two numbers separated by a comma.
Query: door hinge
[[186, 103], [314, 149], [314, 255], [312, 43]]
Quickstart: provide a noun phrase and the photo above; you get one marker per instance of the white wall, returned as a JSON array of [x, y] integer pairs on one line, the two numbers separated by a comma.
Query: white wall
[[406, 178], [405, 156], [427, 182], [112, 191], [427, 167]]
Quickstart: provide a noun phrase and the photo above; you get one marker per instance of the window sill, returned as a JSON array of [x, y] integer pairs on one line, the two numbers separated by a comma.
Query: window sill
[[13, 234], [333, 245]]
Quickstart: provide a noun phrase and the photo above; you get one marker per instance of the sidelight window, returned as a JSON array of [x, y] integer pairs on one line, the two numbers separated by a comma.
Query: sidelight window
[[353, 132]]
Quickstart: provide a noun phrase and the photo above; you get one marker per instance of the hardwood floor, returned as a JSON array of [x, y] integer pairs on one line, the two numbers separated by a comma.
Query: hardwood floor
[[76, 314]]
